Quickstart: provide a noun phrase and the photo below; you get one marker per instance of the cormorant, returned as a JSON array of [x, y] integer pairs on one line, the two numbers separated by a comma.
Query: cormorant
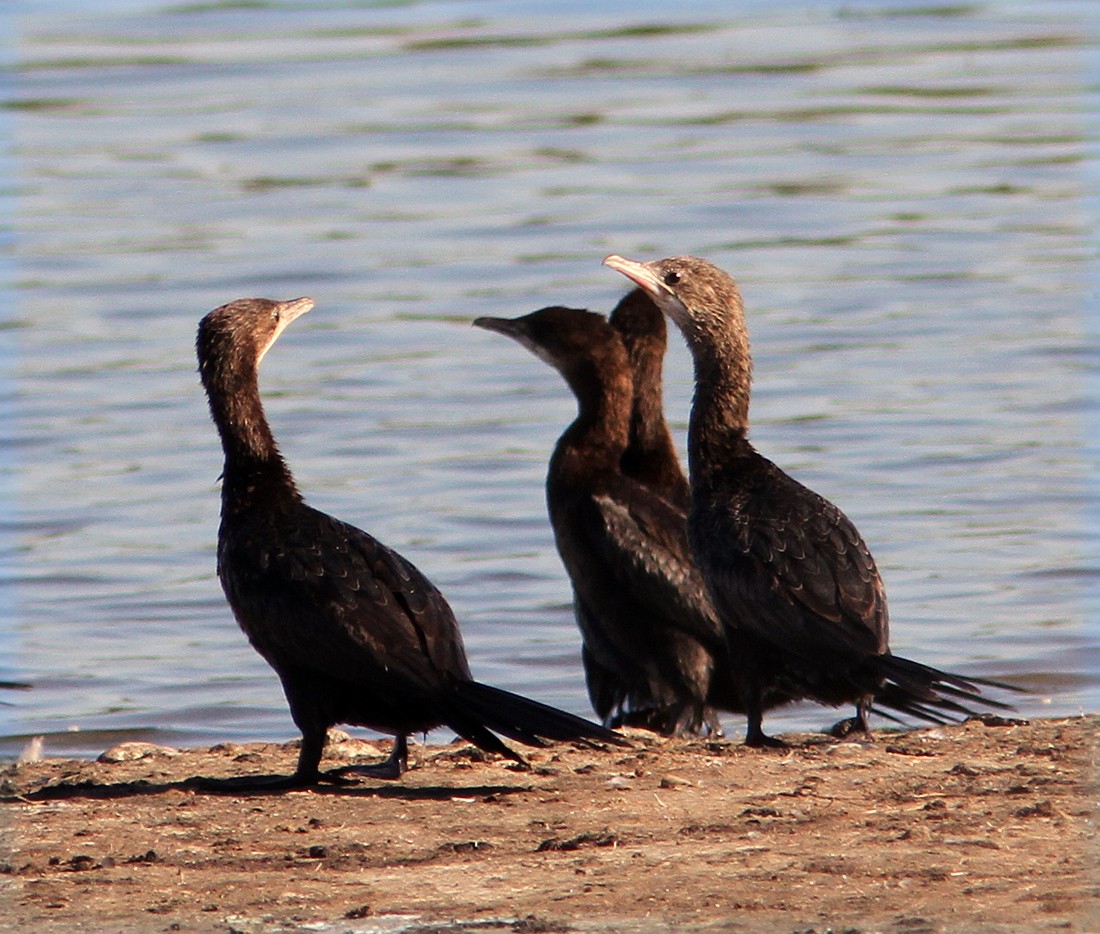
[[356, 634], [651, 638], [789, 574]]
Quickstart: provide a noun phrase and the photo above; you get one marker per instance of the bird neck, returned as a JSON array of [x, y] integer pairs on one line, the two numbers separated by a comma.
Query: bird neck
[[648, 428], [599, 435], [252, 458], [651, 452], [719, 426]]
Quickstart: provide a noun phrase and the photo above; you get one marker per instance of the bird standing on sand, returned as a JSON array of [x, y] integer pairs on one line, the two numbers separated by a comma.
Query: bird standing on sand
[[356, 634], [651, 638], [792, 580]]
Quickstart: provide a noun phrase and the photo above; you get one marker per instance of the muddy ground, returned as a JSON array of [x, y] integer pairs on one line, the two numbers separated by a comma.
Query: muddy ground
[[973, 827]]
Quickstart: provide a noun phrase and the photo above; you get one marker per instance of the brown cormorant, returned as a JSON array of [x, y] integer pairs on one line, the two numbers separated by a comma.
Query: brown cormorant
[[651, 638], [789, 574]]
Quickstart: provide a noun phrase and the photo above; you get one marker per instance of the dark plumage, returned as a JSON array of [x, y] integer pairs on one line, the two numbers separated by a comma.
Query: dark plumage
[[791, 578], [650, 456], [356, 633], [651, 639]]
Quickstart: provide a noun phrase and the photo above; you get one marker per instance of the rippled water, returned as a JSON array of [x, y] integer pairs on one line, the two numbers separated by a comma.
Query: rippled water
[[906, 194]]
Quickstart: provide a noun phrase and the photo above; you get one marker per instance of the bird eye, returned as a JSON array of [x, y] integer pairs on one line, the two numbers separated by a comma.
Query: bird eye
[[671, 278]]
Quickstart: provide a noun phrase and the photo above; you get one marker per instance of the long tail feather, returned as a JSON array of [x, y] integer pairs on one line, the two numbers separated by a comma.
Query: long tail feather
[[473, 731], [930, 694], [521, 718]]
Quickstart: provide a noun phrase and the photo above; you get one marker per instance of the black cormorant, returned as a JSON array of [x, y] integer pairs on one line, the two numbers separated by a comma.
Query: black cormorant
[[356, 634]]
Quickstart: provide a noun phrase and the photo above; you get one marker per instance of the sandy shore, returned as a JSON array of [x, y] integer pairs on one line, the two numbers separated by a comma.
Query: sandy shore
[[972, 827]]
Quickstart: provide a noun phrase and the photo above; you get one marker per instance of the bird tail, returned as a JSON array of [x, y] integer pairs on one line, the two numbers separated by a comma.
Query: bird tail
[[930, 694], [478, 708]]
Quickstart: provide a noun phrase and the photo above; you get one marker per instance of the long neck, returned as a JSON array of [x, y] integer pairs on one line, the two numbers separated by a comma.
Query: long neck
[[648, 429], [252, 458], [599, 435], [719, 426], [652, 453]]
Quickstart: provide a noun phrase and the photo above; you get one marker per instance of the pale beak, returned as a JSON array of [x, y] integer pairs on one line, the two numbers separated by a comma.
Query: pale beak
[[295, 308], [640, 273], [288, 311]]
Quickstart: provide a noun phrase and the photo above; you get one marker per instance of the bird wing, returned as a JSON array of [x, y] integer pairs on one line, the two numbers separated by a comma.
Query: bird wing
[[643, 539], [790, 567], [332, 593]]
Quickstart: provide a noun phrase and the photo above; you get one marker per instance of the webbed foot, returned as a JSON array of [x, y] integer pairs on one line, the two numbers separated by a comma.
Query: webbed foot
[[392, 768]]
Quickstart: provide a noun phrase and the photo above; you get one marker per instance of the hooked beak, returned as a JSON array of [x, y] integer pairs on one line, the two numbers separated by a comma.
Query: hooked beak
[[295, 308], [650, 282], [641, 274], [506, 326], [288, 311], [519, 330]]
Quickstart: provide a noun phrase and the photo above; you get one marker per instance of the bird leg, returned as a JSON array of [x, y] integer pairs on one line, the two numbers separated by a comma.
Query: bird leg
[[753, 694], [393, 767], [305, 775], [755, 736], [712, 726], [856, 724]]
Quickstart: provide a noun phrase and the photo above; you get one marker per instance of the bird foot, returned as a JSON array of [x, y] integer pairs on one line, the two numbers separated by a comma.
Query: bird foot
[[761, 740], [392, 768], [848, 726], [712, 729]]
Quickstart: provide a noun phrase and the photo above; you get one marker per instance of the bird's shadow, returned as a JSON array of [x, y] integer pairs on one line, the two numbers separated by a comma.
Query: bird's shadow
[[228, 787]]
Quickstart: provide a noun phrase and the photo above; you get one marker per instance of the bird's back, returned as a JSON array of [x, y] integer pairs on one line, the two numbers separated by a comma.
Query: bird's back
[[788, 565], [314, 592]]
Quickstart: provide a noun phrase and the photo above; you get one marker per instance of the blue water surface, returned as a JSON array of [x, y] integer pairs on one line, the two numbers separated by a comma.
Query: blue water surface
[[906, 193]]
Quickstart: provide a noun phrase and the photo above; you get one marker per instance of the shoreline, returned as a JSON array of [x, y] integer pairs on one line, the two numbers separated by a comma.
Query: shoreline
[[980, 826]]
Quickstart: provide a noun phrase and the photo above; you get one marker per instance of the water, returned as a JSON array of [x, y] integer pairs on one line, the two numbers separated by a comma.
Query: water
[[906, 194]]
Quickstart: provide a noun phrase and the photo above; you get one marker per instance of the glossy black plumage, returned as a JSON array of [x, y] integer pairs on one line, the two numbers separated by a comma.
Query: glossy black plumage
[[789, 574], [355, 632], [651, 640]]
